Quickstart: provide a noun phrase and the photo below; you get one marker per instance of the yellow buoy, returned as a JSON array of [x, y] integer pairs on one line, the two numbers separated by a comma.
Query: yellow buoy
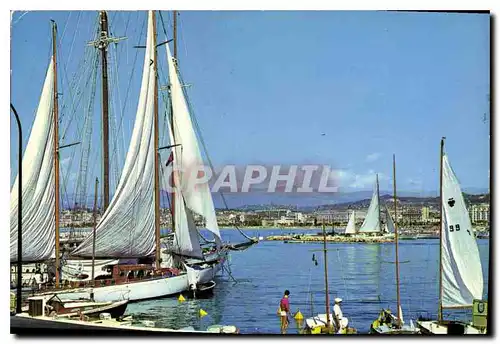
[[181, 298], [202, 313], [298, 316], [316, 330]]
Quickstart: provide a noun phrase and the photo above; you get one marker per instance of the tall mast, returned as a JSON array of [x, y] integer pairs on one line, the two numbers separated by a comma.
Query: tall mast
[[95, 225], [156, 140], [440, 305], [175, 35], [378, 199], [396, 238], [105, 121], [327, 296], [56, 149], [102, 43]]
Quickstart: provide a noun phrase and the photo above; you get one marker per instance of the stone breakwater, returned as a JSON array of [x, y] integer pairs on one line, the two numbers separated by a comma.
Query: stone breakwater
[[329, 238]]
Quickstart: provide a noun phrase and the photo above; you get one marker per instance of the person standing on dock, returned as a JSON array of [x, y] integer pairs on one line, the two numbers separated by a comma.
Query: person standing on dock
[[284, 310], [340, 320]]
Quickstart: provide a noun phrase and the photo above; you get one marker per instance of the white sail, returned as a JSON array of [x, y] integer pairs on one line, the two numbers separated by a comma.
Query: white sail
[[198, 197], [186, 241], [351, 225], [372, 219], [462, 276], [38, 184], [389, 223], [127, 226]]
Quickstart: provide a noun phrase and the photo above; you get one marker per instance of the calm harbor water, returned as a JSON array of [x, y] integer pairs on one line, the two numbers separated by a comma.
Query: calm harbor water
[[363, 275]]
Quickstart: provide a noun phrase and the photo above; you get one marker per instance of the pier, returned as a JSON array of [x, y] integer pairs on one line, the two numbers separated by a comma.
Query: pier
[[330, 238]]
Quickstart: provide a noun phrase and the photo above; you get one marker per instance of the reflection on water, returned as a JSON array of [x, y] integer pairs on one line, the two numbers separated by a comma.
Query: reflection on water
[[363, 275]]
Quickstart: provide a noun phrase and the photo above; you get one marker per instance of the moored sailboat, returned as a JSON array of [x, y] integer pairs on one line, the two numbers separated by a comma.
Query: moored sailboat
[[129, 227], [327, 323], [387, 323], [351, 224], [372, 224], [460, 272]]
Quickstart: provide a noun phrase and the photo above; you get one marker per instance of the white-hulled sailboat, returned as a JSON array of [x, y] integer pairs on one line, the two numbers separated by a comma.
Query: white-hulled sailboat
[[460, 273], [39, 218], [129, 228]]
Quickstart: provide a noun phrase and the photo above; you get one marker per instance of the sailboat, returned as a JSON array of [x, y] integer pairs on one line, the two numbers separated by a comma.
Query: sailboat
[[372, 224], [460, 273], [351, 224], [129, 228], [39, 194], [387, 323], [326, 323]]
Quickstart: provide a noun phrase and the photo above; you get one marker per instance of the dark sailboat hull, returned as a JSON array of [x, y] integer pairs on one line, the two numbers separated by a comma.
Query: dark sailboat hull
[[203, 291]]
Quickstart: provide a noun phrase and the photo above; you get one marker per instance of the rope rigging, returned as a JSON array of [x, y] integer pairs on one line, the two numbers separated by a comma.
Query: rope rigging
[[198, 130], [114, 151]]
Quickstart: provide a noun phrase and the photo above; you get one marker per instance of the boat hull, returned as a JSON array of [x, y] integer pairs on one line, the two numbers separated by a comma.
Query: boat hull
[[140, 290], [447, 327], [134, 291], [116, 309], [26, 325], [384, 330], [204, 290]]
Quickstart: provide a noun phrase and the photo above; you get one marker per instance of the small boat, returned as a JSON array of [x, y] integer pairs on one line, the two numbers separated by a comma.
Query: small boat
[[453, 327], [202, 290], [55, 307], [460, 271], [37, 321], [387, 323], [242, 245], [326, 323], [318, 325], [24, 324]]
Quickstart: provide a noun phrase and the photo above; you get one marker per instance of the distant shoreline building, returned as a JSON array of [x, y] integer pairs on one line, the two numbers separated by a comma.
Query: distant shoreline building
[[479, 212]]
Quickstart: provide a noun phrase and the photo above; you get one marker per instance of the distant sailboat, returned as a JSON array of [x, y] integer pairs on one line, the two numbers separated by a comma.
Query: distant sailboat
[[461, 276], [351, 224], [372, 223]]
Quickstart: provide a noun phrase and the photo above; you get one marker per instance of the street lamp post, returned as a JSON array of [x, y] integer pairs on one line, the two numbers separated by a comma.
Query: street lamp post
[[19, 213]]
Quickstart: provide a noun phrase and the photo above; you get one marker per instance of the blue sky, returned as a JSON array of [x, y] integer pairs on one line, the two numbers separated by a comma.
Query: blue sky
[[267, 85]]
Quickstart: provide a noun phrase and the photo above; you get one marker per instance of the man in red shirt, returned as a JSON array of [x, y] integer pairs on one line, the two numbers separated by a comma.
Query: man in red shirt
[[284, 311]]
